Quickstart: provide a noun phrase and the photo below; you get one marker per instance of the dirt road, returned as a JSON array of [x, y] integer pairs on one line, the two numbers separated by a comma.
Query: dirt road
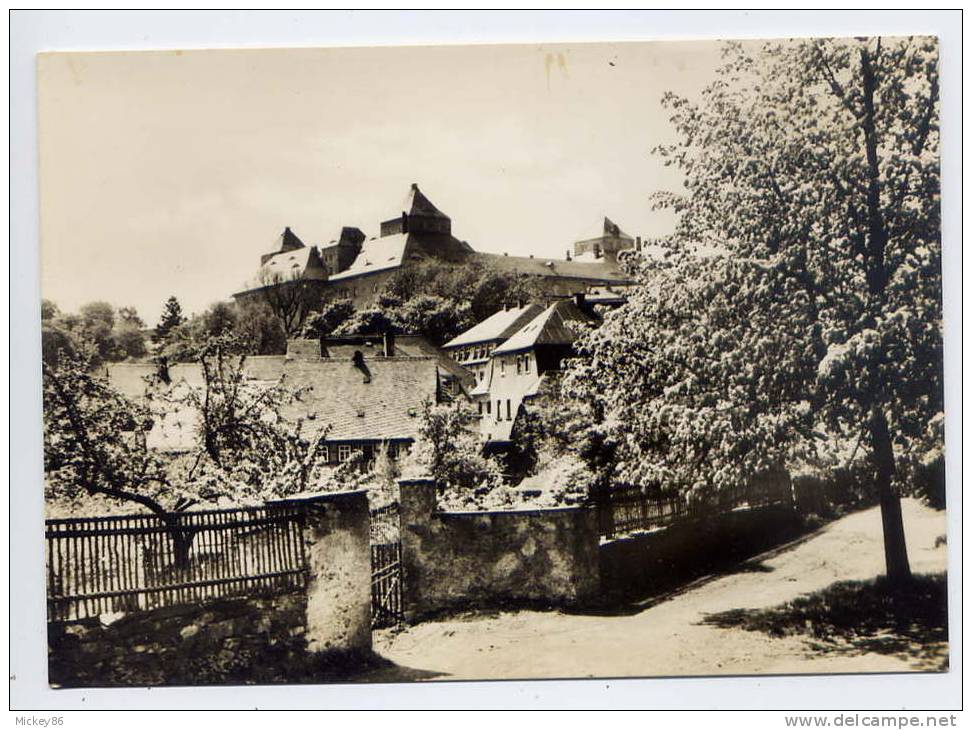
[[668, 639]]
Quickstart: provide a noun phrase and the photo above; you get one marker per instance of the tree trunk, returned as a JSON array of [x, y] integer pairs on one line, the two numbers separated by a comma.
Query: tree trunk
[[181, 537], [895, 551]]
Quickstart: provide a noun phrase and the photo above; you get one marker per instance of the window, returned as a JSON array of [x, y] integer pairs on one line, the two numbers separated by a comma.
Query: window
[[480, 405], [326, 452], [499, 414], [502, 366], [344, 452], [489, 407], [519, 365], [526, 363], [393, 451], [507, 409], [482, 374]]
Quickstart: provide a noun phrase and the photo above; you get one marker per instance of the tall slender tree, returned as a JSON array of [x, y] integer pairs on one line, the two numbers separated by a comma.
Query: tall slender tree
[[171, 318]]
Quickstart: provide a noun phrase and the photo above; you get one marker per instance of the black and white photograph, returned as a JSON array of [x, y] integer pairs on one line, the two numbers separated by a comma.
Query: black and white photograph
[[426, 363]]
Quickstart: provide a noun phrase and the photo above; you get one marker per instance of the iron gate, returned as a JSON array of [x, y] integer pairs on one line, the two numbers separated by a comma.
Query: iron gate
[[386, 568]]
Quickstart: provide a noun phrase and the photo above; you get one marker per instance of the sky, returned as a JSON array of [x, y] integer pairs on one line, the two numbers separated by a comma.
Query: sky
[[169, 173]]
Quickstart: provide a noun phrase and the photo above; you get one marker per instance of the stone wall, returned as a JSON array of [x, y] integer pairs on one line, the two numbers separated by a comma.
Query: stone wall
[[223, 640], [457, 560], [339, 558], [263, 637]]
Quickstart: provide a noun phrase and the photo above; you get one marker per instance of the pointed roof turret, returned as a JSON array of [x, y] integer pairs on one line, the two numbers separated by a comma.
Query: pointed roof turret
[[612, 229], [289, 240], [417, 204]]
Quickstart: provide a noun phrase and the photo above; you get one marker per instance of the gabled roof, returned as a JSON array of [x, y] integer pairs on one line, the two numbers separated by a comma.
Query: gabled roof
[[603, 270], [299, 263], [417, 204], [334, 393], [497, 326], [559, 324], [377, 254]]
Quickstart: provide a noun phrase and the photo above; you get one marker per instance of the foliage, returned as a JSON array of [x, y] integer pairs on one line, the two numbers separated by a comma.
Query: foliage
[[435, 318], [55, 340], [49, 310], [244, 447], [129, 341], [551, 429], [95, 439], [449, 451], [802, 285], [252, 324], [257, 326], [475, 283], [129, 316], [170, 319], [325, 322], [371, 321], [111, 337]]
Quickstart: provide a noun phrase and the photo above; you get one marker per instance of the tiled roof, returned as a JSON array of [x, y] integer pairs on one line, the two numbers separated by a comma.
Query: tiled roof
[[405, 346], [602, 270], [332, 392], [560, 324], [497, 326], [377, 254]]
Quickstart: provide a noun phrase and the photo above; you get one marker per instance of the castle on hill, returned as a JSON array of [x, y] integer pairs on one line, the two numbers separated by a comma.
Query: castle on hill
[[356, 267]]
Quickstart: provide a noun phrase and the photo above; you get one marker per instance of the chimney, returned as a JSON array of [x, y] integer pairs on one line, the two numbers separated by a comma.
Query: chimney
[[388, 344], [359, 362]]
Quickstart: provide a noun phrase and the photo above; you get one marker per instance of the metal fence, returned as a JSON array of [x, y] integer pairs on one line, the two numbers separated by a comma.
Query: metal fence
[[386, 567], [628, 508], [103, 565]]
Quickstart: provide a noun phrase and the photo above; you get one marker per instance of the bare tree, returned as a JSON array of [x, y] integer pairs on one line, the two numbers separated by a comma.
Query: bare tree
[[291, 298]]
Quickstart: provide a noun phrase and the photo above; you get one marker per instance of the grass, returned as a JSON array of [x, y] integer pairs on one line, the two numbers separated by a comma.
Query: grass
[[861, 617]]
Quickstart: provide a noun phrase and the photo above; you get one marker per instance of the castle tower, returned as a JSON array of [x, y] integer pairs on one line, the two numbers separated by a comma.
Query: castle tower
[[419, 215]]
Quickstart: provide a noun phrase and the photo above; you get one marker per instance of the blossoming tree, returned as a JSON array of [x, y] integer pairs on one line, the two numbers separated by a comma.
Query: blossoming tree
[[800, 292]]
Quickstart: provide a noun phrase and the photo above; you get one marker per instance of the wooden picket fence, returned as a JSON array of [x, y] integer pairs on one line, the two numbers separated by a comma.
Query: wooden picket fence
[[629, 508], [104, 565]]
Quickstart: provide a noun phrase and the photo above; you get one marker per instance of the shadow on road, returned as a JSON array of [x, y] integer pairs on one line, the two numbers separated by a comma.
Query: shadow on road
[[740, 557], [860, 617]]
